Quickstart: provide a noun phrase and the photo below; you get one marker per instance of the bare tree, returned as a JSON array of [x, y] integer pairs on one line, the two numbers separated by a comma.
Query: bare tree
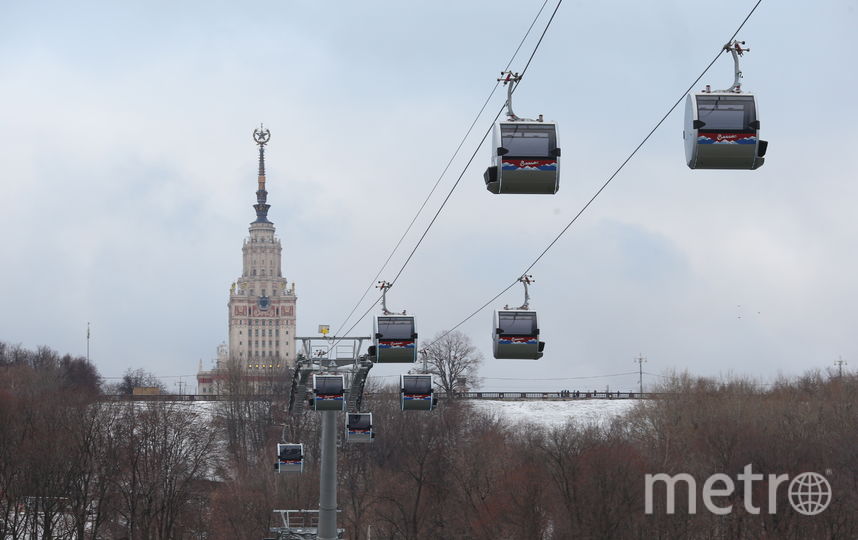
[[247, 412], [453, 360], [135, 378], [166, 451], [79, 374]]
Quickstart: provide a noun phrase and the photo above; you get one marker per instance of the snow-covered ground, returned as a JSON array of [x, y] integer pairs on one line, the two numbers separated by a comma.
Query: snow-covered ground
[[556, 413], [545, 413]]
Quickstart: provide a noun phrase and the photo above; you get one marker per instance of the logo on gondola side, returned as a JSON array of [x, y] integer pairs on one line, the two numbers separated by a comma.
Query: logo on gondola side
[[517, 341], [529, 164], [727, 138], [396, 344]]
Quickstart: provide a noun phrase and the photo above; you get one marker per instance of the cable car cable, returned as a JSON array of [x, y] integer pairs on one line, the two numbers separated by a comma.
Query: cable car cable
[[443, 172], [456, 184], [465, 169], [538, 379], [561, 378], [608, 181]]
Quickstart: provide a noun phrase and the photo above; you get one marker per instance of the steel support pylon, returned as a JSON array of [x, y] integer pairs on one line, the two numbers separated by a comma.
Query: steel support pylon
[[324, 356], [328, 478]]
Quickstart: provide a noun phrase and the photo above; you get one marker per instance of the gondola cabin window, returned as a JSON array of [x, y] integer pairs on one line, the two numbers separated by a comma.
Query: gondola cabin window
[[517, 324], [528, 140], [395, 327], [726, 113]]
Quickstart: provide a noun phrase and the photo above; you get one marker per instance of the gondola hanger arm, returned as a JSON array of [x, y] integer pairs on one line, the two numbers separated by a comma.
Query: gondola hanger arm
[[511, 80], [384, 286], [526, 280], [736, 49]]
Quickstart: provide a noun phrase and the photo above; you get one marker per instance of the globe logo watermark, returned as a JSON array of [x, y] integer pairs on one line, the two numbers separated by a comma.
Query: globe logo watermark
[[809, 493]]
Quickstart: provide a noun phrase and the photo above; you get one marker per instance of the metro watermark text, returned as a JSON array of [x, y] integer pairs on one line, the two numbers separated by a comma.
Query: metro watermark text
[[809, 493]]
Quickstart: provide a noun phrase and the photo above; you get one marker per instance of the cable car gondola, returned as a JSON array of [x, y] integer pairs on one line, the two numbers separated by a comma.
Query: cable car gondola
[[395, 339], [359, 428], [525, 155], [394, 335], [328, 391], [290, 458], [517, 335], [416, 392], [722, 127], [516, 330]]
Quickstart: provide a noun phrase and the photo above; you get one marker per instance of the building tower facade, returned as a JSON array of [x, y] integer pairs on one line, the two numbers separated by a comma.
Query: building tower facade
[[261, 305]]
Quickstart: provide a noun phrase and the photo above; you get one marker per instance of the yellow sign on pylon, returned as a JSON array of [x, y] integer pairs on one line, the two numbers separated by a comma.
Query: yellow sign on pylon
[[324, 329]]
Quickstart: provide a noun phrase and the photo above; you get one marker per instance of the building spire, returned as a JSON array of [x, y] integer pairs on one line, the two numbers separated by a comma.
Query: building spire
[[261, 135]]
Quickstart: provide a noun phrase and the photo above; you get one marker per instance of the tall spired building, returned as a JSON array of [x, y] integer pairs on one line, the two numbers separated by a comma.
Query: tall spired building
[[261, 304]]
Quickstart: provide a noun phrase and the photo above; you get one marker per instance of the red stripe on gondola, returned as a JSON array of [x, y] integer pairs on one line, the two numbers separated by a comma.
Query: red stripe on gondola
[[521, 163], [517, 339], [396, 343]]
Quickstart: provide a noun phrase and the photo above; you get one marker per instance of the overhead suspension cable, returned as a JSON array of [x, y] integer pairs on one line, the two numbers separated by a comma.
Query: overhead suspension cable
[[605, 184], [485, 135], [455, 154], [561, 378], [530, 379]]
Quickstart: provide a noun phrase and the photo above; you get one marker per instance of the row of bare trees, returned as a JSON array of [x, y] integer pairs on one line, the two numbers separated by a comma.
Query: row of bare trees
[[455, 473], [73, 467], [71, 372]]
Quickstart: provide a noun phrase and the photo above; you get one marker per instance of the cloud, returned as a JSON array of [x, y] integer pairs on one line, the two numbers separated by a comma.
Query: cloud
[[129, 175]]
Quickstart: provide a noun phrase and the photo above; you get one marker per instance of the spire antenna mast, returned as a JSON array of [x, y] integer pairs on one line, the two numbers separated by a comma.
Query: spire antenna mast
[[840, 363], [640, 362], [261, 136]]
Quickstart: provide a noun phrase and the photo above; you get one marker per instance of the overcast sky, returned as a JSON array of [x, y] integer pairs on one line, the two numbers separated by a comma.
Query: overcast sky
[[128, 173]]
